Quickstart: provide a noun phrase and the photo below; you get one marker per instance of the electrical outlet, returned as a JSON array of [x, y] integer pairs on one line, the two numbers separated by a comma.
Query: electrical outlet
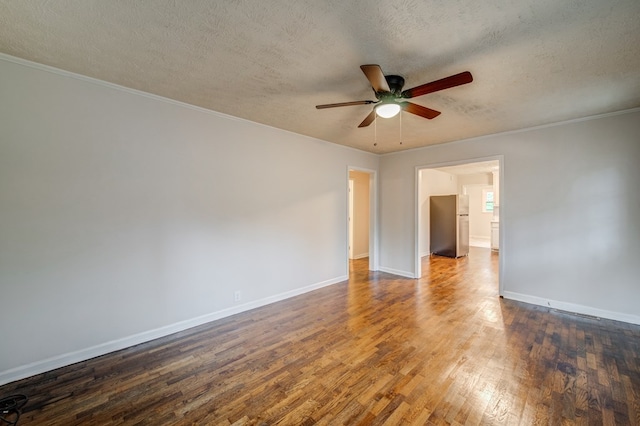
[[237, 296]]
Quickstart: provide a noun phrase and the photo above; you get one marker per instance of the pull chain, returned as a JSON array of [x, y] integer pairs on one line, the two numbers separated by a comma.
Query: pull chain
[[375, 132], [400, 114]]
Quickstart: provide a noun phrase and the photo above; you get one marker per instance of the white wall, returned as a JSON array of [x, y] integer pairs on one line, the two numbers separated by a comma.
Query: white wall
[[126, 217], [432, 182], [360, 213], [474, 179], [479, 220], [569, 212]]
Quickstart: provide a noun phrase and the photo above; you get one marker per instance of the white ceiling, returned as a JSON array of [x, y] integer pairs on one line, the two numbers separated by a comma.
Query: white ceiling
[[534, 62]]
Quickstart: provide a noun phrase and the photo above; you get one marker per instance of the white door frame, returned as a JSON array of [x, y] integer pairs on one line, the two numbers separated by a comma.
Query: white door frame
[[373, 216], [501, 258], [350, 219]]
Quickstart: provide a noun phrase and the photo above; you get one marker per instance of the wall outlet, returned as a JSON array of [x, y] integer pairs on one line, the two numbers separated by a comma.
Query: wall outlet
[[237, 296]]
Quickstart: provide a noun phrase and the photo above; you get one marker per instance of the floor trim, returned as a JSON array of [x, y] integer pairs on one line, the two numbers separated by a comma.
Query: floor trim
[[573, 308], [405, 274], [69, 358]]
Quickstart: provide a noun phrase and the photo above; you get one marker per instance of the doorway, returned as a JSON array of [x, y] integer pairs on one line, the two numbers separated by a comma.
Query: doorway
[[361, 218], [480, 180], [481, 213]]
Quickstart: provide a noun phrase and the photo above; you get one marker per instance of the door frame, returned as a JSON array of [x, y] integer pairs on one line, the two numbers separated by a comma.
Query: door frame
[[350, 218], [373, 216], [501, 227]]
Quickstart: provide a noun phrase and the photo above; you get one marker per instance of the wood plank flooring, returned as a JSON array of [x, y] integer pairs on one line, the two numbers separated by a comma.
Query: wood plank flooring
[[378, 349]]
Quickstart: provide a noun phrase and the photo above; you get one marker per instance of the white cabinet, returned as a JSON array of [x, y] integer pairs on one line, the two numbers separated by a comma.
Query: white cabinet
[[495, 235]]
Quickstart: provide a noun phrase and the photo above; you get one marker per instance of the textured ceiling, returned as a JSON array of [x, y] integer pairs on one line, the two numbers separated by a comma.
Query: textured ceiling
[[534, 62]]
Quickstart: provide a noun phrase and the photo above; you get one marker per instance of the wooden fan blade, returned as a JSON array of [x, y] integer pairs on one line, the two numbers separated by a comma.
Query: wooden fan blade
[[376, 77], [341, 104], [419, 110], [369, 119], [434, 86]]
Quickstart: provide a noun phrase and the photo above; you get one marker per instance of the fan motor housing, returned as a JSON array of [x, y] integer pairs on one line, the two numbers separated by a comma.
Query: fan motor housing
[[395, 83]]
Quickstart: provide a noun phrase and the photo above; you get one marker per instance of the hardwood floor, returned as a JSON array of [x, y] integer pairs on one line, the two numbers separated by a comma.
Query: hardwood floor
[[378, 349]]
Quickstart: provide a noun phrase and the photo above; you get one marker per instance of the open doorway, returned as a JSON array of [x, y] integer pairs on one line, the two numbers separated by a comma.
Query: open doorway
[[361, 219], [479, 181]]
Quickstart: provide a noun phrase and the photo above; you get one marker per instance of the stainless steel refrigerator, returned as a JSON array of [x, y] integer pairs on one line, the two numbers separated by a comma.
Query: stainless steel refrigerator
[[449, 225]]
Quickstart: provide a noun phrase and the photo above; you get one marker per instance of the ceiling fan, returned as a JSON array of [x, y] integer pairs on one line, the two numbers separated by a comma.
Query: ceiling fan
[[389, 94]]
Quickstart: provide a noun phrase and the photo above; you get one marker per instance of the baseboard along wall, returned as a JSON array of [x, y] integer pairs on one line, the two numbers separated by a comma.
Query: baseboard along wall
[[63, 360]]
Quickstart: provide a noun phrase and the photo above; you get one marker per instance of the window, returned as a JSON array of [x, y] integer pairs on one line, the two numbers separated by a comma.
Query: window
[[487, 200]]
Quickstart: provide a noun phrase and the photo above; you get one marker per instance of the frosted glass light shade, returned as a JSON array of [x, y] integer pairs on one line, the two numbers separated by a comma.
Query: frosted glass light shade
[[387, 110]]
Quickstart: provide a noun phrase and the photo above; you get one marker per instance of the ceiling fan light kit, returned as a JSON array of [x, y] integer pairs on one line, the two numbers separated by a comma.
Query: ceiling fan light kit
[[387, 110], [389, 94]]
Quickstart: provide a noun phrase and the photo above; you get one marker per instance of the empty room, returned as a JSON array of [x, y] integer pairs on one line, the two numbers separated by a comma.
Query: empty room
[[230, 213]]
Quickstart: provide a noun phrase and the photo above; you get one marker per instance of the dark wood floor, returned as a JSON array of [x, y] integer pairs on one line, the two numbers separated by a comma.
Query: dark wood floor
[[379, 349]]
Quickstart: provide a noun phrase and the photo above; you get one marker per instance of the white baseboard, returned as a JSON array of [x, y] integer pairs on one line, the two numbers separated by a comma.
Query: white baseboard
[[572, 307], [360, 256], [63, 360], [397, 272]]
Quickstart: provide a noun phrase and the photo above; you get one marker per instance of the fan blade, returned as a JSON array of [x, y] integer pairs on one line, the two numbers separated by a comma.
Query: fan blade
[[376, 77], [434, 86], [369, 119], [341, 104], [419, 110]]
